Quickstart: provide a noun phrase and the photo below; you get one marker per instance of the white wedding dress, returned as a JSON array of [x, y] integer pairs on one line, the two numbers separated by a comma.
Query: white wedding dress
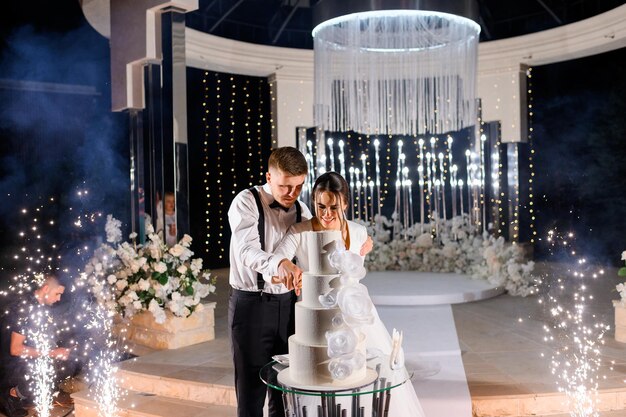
[[404, 399]]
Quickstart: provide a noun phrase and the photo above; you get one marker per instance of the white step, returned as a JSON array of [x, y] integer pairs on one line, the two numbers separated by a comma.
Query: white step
[[189, 385], [138, 404]]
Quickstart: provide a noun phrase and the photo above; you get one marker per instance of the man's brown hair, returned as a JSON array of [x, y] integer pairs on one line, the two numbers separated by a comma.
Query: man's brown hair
[[289, 160]]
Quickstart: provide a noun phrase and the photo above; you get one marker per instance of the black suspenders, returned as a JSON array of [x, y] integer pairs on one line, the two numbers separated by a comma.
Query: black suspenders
[[260, 282]]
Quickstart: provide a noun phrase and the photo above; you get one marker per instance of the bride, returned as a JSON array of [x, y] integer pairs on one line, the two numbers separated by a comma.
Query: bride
[[330, 199]]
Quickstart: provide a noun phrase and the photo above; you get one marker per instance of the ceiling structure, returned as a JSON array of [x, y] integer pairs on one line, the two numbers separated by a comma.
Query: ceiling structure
[[288, 23]]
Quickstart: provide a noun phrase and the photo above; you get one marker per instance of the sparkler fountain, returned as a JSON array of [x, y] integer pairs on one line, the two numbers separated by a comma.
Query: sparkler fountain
[[92, 324], [575, 333]]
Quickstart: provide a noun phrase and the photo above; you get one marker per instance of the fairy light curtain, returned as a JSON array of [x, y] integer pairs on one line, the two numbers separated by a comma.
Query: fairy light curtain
[[404, 72]]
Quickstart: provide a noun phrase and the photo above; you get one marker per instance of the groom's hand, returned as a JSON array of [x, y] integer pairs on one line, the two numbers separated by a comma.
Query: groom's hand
[[290, 275]]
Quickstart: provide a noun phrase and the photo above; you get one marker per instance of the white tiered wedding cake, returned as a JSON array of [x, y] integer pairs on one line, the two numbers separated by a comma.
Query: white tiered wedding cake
[[318, 318]]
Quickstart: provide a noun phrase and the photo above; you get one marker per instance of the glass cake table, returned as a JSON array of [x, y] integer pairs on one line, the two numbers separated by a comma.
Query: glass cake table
[[369, 400]]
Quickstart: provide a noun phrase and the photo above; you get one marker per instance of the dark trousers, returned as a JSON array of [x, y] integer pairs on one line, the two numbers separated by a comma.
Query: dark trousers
[[15, 371], [260, 325]]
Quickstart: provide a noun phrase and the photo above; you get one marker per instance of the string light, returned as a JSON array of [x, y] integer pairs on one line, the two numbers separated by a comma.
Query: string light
[[237, 140], [531, 165]]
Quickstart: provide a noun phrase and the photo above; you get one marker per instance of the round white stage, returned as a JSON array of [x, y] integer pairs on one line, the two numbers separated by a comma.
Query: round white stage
[[410, 288]]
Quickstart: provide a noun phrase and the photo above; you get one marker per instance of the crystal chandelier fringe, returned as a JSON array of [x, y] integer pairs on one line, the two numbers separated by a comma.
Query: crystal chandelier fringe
[[396, 72]]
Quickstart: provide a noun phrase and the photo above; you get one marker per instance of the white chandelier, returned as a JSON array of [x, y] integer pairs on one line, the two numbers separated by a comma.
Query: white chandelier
[[396, 72]]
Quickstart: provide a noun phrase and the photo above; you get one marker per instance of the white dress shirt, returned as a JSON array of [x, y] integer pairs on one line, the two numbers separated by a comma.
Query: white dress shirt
[[293, 244], [246, 256]]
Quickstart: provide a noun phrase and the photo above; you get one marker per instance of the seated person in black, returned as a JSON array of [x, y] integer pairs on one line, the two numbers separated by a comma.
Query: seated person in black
[[19, 324]]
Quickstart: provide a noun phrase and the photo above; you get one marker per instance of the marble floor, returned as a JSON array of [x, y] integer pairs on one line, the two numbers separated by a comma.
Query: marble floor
[[505, 356], [505, 353], [502, 341]]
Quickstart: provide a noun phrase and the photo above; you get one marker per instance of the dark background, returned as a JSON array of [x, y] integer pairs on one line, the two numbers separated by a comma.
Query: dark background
[[60, 138], [579, 134]]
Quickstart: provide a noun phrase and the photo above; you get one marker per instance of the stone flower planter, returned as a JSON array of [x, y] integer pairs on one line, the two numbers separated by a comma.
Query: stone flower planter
[[620, 321], [174, 333]]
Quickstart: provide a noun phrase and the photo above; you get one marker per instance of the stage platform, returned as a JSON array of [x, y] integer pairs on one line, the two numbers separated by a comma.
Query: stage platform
[[406, 288], [481, 358]]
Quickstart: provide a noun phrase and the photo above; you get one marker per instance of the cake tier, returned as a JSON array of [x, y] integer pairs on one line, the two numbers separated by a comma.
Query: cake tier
[[319, 245], [315, 285], [308, 365], [312, 323]]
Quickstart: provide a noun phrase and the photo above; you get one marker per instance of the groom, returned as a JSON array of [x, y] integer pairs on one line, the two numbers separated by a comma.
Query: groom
[[261, 309]]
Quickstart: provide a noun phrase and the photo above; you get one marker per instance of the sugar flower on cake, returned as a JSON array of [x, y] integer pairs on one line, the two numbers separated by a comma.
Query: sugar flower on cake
[[355, 305], [349, 263], [329, 299], [356, 310], [342, 367], [131, 277], [341, 341]]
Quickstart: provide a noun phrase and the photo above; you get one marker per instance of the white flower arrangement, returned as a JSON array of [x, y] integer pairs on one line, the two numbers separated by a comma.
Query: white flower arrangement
[[457, 248], [130, 278]]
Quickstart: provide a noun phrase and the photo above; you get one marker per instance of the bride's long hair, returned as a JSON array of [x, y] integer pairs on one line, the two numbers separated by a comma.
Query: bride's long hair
[[333, 183]]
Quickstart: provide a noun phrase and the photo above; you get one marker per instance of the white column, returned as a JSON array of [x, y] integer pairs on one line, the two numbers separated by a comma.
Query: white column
[[292, 106], [504, 97]]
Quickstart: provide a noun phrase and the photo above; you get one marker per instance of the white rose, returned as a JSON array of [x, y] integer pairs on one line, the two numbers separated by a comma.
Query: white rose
[[186, 255], [621, 289], [624, 256], [186, 240], [201, 290], [424, 240], [356, 305], [160, 267], [144, 284], [341, 342], [177, 250], [340, 368], [148, 225], [111, 279], [121, 284], [161, 291], [157, 311], [190, 301], [137, 305], [134, 266], [196, 266], [155, 252], [125, 300], [182, 269]]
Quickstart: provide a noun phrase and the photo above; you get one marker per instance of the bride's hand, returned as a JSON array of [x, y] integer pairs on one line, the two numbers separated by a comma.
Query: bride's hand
[[367, 246]]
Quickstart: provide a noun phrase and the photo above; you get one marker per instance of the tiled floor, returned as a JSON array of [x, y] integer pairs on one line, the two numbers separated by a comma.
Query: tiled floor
[[502, 343], [502, 339]]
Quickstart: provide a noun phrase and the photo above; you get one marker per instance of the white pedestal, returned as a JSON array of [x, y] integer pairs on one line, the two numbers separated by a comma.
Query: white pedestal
[[175, 332]]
